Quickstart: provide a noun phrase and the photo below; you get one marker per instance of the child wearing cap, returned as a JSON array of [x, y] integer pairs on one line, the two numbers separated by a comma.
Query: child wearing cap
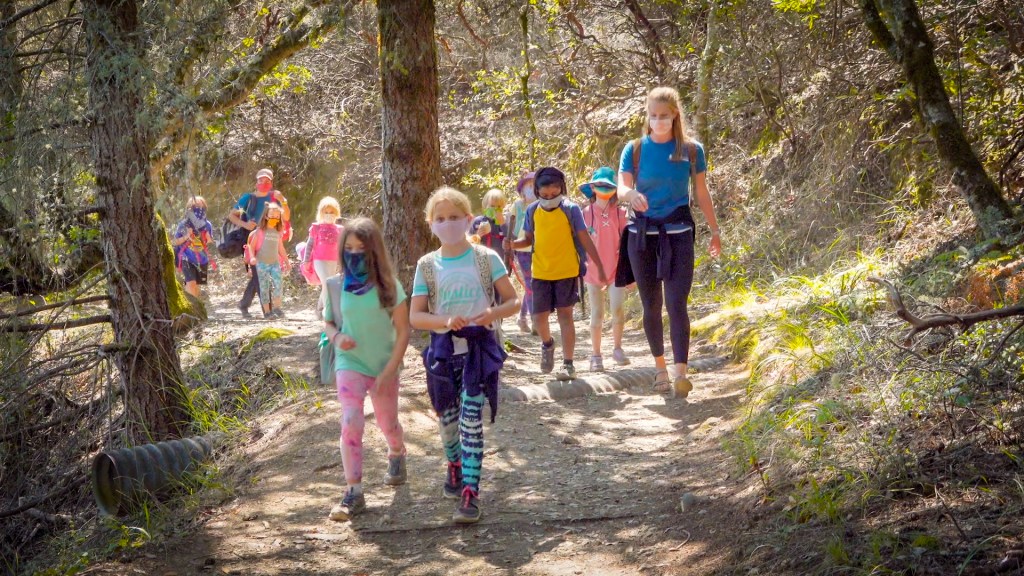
[[554, 227], [605, 220]]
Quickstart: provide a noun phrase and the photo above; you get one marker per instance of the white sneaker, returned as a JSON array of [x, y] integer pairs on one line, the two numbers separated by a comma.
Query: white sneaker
[[596, 364], [620, 357]]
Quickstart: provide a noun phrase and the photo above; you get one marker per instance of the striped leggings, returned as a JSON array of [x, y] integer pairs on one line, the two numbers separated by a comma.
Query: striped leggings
[[462, 434]]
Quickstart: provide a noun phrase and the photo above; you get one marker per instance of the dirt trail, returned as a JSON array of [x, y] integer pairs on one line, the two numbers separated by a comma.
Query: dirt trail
[[588, 485]]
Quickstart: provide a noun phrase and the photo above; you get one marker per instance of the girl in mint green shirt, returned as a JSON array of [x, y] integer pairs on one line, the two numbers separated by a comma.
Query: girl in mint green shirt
[[369, 326]]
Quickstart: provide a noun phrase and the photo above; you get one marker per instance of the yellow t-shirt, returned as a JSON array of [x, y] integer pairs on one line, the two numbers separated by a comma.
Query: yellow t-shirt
[[554, 251]]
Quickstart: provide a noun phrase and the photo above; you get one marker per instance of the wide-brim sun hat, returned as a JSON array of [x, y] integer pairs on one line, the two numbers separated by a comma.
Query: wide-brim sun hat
[[603, 177]]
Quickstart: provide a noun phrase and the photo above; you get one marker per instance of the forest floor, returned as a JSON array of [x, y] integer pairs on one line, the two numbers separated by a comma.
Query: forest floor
[[583, 485]]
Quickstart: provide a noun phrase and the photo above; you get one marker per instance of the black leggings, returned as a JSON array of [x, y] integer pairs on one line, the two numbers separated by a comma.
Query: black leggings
[[677, 286]]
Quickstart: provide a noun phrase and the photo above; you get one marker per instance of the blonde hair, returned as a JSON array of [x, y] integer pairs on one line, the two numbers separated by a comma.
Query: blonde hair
[[195, 201], [458, 199], [492, 198], [670, 96], [325, 202]]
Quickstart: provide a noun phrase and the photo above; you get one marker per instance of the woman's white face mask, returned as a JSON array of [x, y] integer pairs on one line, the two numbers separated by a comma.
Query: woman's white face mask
[[660, 126]]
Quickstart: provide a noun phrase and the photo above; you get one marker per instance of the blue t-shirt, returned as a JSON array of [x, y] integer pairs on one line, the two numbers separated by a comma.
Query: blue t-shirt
[[666, 184], [258, 205]]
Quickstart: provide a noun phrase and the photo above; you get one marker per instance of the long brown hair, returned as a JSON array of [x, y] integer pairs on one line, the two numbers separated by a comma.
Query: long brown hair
[[670, 96], [379, 270], [266, 216]]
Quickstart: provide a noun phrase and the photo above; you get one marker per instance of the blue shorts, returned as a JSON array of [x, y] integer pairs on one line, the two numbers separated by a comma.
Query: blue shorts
[[549, 295]]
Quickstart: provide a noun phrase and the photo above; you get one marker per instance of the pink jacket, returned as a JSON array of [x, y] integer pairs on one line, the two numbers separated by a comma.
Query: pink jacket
[[323, 242]]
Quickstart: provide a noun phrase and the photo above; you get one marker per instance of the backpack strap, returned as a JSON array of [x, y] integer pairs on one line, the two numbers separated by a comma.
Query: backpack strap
[[691, 151], [581, 253], [426, 270], [636, 162], [483, 269]]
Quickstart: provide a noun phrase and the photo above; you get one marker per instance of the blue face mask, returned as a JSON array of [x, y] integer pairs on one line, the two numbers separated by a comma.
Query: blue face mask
[[355, 265], [355, 272], [197, 217]]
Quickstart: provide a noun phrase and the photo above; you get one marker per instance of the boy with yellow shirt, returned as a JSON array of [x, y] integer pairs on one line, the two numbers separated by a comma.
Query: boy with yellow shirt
[[555, 229]]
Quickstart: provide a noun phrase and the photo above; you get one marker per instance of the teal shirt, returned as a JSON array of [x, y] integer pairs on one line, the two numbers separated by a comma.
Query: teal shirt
[[370, 326]]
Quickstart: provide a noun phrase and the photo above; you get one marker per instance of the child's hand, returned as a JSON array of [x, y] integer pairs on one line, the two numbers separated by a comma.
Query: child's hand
[[386, 379], [345, 342], [602, 275], [252, 261], [485, 318], [457, 322], [484, 228]]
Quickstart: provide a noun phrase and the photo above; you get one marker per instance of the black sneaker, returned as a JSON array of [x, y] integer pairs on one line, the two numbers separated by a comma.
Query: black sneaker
[[468, 511], [453, 482], [397, 474], [350, 505]]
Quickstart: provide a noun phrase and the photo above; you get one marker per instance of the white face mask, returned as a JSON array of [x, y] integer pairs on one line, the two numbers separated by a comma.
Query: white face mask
[[528, 193], [450, 231], [551, 203], [660, 126]]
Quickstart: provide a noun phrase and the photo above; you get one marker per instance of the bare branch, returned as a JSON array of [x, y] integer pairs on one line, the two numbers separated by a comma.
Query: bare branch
[[240, 81], [56, 325], [87, 300], [26, 12], [920, 324]]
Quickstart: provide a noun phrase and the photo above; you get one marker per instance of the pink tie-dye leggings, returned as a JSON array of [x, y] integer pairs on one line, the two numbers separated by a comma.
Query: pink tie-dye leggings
[[352, 390]]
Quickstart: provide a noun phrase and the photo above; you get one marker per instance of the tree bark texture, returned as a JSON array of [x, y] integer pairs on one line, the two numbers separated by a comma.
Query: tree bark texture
[[897, 26], [411, 149], [702, 101], [121, 140]]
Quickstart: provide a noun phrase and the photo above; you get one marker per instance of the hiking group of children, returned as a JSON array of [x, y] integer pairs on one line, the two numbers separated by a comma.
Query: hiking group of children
[[462, 291]]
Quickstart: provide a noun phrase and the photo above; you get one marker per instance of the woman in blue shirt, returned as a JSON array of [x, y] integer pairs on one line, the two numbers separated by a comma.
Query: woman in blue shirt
[[661, 235]]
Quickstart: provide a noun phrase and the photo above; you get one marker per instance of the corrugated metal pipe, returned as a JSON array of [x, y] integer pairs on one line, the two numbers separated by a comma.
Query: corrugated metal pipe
[[121, 478]]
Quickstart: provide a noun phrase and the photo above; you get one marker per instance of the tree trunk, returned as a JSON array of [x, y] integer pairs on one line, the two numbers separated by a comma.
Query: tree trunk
[[702, 101], [411, 150], [10, 82], [121, 141], [524, 84], [902, 33]]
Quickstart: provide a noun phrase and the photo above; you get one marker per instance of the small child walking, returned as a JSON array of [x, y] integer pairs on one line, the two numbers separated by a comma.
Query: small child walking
[[555, 228], [453, 295], [191, 238], [522, 258], [322, 247], [369, 326], [490, 226], [265, 250], [605, 221]]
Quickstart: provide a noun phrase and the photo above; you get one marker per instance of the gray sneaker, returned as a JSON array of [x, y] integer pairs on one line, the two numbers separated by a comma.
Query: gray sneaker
[[350, 505], [468, 511], [566, 372], [396, 471], [620, 357], [547, 358], [596, 364], [524, 325]]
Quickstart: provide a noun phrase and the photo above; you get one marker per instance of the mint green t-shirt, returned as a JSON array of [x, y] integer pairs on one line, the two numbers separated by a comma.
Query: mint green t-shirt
[[370, 326]]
